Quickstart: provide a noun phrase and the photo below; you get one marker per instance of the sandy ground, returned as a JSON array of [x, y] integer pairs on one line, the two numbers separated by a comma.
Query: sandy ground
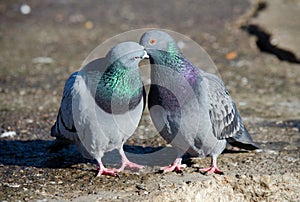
[[265, 89]]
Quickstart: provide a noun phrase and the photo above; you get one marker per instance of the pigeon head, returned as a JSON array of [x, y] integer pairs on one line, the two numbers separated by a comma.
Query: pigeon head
[[156, 40], [129, 54]]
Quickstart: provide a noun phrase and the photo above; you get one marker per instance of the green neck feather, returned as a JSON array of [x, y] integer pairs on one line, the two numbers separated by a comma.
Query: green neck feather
[[172, 57], [173, 49], [120, 85], [119, 80]]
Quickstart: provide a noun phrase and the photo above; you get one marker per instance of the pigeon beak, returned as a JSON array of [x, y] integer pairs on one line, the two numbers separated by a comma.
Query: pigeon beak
[[145, 56]]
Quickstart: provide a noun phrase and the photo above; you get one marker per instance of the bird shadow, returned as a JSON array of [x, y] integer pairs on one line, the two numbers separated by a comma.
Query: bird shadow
[[35, 153]]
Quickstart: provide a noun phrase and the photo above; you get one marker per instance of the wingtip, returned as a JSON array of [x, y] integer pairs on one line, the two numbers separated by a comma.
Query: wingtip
[[242, 145]]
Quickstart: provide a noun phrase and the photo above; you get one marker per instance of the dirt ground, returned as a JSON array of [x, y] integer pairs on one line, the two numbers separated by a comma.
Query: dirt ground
[[40, 49]]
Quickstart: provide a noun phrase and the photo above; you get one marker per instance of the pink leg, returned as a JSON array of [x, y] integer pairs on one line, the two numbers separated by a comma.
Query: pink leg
[[126, 163], [105, 171], [176, 166], [213, 168]]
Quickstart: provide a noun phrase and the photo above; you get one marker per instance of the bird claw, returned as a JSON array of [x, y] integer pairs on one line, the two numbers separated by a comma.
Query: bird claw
[[132, 165], [173, 167], [106, 171], [211, 170], [129, 165]]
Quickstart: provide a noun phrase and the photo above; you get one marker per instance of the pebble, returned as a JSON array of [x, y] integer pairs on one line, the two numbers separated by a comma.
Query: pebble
[[242, 103], [23, 131], [25, 9], [290, 147], [42, 60], [22, 92], [241, 176], [266, 181], [88, 25], [290, 159], [29, 121], [12, 185], [8, 134], [267, 151], [244, 81], [76, 18], [243, 63]]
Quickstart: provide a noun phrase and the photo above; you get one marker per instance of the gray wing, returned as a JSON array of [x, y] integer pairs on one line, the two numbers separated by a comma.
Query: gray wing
[[64, 122], [66, 104], [64, 128], [64, 125], [225, 119]]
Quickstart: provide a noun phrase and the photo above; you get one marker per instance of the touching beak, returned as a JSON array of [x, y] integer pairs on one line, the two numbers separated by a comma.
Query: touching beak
[[145, 56]]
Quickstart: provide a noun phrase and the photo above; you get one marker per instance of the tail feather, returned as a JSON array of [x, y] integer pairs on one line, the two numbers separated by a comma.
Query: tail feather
[[243, 140], [60, 142]]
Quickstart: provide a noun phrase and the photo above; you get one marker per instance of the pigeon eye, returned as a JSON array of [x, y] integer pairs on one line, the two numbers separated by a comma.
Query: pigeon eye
[[136, 57], [152, 41]]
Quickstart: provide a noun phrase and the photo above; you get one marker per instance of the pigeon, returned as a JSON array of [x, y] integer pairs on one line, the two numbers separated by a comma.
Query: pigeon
[[102, 105], [192, 109]]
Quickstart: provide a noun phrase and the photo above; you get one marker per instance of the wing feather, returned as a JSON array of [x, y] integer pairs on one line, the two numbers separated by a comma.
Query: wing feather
[[225, 119]]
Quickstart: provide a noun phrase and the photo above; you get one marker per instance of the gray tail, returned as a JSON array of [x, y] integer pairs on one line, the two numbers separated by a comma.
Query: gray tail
[[243, 140], [60, 142]]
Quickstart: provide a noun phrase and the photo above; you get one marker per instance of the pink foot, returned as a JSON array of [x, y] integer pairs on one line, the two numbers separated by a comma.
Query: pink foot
[[126, 163], [105, 171], [176, 166], [109, 172], [130, 165], [173, 167], [211, 170]]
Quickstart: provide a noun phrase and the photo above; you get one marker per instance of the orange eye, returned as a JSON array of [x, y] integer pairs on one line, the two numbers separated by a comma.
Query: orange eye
[[152, 41]]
